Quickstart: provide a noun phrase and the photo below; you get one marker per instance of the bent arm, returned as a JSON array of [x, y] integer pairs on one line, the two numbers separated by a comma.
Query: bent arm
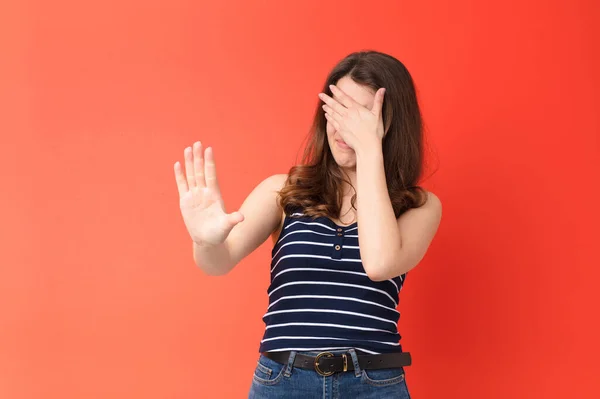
[[262, 216]]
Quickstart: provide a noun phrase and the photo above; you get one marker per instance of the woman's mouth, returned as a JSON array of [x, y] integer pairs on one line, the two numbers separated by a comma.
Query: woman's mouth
[[342, 144]]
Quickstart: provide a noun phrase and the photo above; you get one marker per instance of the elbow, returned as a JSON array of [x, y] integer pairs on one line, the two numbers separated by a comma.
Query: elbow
[[376, 271], [212, 267], [385, 270], [377, 276], [213, 271]]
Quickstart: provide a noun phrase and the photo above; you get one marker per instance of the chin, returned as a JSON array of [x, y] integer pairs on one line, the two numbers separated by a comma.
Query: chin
[[345, 161], [344, 157]]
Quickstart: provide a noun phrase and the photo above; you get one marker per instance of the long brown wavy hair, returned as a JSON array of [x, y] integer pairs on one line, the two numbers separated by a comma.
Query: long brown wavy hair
[[314, 186]]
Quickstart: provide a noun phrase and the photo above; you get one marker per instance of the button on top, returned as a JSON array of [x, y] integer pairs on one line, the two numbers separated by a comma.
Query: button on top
[[339, 229]]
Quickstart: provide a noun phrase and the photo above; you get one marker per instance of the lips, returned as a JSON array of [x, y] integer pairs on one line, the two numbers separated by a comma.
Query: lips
[[342, 144]]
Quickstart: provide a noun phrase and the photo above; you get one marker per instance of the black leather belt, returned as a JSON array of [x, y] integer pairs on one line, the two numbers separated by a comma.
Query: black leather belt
[[326, 363]]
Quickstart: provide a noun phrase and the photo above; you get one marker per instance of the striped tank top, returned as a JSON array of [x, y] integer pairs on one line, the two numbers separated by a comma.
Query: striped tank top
[[320, 297]]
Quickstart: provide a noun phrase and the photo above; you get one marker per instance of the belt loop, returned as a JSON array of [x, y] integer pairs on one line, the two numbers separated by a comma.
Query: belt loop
[[290, 364], [357, 371]]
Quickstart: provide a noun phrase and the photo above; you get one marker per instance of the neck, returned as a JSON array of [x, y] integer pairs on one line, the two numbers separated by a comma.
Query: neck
[[347, 189]]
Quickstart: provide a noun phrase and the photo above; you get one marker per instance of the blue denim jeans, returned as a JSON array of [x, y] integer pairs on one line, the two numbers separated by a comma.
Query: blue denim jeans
[[273, 380]]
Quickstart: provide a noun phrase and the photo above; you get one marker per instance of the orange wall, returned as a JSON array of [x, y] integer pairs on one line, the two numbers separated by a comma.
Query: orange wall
[[99, 295]]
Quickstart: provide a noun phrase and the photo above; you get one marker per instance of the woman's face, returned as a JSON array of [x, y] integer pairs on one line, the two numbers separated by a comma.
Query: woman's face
[[344, 155]]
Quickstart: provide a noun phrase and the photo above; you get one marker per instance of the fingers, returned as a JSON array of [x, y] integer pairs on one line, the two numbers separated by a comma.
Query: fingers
[[343, 98], [337, 107], [189, 167], [199, 165], [210, 169], [331, 112], [378, 101], [194, 169], [331, 120], [182, 186]]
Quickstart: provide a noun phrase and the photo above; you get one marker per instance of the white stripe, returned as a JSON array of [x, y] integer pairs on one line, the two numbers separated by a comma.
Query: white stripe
[[401, 282], [329, 270], [315, 269], [301, 214], [302, 242], [395, 285], [309, 224], [321, 349], [334, 338], [314, 257], [329, 325], [304, 231], [334, 297], [329, 311], [340, 284]]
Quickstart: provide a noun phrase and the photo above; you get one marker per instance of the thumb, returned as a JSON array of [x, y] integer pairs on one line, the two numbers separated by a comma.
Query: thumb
[[234, 218], [378, 101]]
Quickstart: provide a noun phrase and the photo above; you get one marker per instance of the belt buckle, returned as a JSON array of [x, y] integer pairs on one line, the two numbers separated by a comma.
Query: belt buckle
[[321, 372]]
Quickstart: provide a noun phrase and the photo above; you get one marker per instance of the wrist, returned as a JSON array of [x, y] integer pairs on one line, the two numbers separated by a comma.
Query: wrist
[[371, 152]]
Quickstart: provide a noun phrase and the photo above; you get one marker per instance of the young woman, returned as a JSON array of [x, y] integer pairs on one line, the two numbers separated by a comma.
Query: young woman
[[347, 225]]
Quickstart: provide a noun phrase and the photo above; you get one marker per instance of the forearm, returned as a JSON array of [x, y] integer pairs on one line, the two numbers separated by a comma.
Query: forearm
[[378, 233], [214, 260]]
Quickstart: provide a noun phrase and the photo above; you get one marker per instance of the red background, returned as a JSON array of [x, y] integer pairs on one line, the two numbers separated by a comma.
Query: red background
[[99, 295]]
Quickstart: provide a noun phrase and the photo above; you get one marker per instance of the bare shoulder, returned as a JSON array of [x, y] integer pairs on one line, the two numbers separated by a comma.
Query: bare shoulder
[[433, 202], [432, 208], [265, 195], [430, 211], [270, 186], [275, 182]]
